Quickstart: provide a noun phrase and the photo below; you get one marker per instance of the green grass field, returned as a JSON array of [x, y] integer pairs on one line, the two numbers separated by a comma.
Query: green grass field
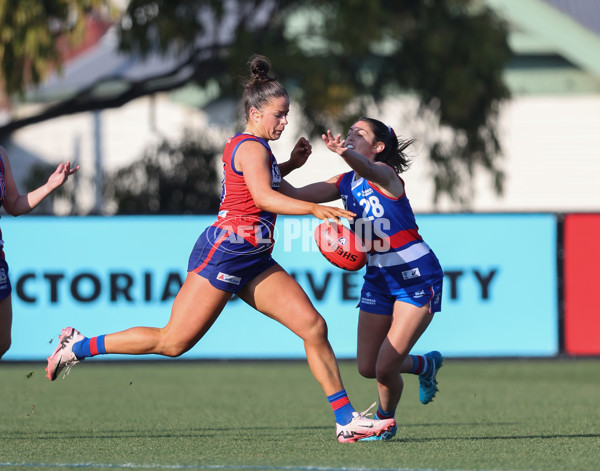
[[488, 415]]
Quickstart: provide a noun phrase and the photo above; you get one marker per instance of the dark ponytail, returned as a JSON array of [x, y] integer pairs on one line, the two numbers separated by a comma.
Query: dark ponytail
[[393, 154]]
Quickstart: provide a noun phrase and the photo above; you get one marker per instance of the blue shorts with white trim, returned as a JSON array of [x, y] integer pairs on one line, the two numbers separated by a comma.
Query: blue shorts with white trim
[[227, 260], [373, 300]]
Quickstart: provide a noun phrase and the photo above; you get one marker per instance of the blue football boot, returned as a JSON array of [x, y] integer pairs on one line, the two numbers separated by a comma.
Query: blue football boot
[[427, 382]]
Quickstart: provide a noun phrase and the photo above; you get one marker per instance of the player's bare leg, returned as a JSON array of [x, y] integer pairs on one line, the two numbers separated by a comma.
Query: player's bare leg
[[278, 295], [5, 324], [189, 321], [408, 324], [195, 309]]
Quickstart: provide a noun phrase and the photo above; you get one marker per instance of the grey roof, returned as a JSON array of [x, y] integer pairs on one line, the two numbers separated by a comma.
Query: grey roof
[[102, 61], [585, 12]]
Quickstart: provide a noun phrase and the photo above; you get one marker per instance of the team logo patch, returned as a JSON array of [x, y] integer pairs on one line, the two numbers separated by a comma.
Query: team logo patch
[[235, 280], [410, 274]]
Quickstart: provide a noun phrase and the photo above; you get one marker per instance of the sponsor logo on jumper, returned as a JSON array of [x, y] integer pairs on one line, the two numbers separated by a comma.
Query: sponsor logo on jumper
[[275, 176]]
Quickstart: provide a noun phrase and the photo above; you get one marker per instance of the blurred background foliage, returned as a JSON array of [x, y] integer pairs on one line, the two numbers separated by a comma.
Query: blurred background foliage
[[31, 35], [170, 178], [338, 59]]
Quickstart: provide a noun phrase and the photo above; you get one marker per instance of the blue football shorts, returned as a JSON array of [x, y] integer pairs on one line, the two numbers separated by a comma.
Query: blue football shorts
[[5, 287], [376, 301], [228, 261]]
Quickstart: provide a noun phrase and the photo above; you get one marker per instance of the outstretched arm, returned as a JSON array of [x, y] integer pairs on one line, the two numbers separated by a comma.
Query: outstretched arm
[[252, 160], [15, 203], [320, 192], [376, 172]]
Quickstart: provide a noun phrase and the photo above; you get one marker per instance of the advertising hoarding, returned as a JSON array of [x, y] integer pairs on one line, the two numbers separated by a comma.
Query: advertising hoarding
[[104, 274], [581, 261]]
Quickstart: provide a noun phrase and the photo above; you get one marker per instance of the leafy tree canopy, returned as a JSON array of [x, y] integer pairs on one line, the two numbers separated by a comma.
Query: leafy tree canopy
[[337, 58], [32, 34], [170, 178]]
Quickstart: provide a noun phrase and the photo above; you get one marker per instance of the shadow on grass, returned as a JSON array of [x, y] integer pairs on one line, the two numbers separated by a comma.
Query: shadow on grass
[[277, 431], [501, 437]]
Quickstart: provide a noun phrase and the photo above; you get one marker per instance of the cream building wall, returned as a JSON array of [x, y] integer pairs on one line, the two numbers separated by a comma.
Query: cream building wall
[[551, 148]]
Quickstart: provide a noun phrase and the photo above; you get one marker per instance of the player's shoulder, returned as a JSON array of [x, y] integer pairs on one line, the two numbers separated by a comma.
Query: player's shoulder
[[345, 178], [253, 145]]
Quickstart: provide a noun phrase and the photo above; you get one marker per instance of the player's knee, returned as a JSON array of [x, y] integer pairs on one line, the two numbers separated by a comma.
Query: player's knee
[[386, 373], [174, 348], [173, 351], [366, 370], [318, 329], [313, 329]]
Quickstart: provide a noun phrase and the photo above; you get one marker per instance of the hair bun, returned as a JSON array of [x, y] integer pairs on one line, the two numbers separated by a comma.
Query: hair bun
[[261, 87], [260, 66]]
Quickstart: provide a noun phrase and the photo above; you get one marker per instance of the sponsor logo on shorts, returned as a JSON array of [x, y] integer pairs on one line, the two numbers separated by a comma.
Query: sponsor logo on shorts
[[410, 274], [367, 299], [235, 280], [419, 294]]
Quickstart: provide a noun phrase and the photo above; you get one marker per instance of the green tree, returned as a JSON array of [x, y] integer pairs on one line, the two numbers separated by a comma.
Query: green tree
[[170, 178], [336, 58], [31, 36]]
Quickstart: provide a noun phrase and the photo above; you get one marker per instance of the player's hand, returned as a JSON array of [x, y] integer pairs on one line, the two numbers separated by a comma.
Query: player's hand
[[335, 144], [60, 175], [300, 153], [331, 212]]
